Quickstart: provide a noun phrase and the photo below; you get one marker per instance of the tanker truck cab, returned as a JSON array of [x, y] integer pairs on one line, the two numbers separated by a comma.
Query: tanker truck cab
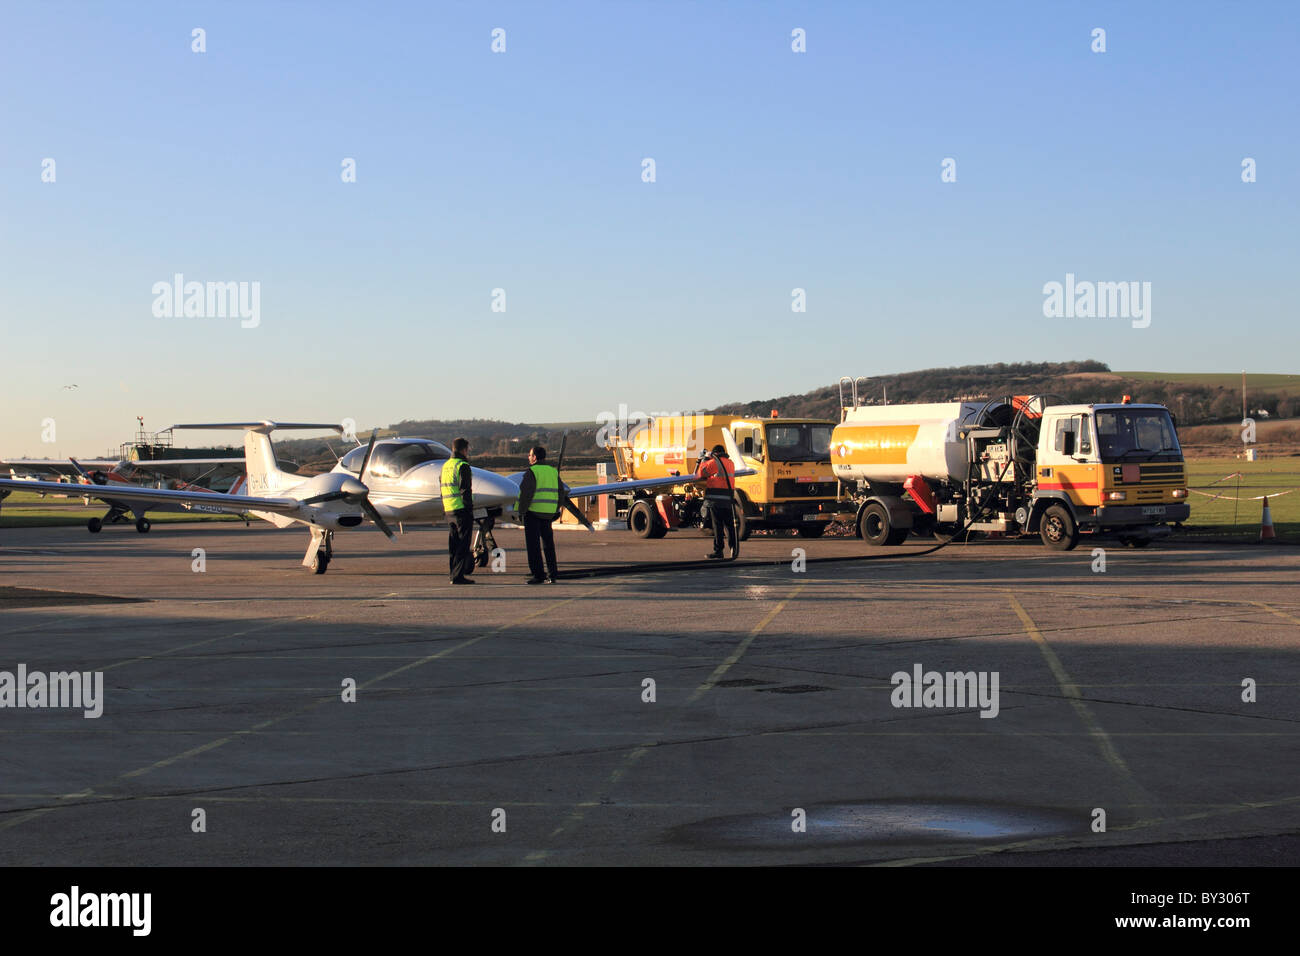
[[793, 486], [1109, 469]]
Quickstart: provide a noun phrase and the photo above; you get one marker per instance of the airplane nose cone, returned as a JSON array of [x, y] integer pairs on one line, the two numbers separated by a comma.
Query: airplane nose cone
[[493, 489], [352, 488]]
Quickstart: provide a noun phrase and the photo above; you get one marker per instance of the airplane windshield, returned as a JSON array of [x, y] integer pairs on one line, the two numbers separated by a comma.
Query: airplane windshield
[[395, 459]]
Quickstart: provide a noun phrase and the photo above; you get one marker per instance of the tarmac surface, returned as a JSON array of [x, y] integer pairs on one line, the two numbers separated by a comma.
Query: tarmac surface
[[508, 724]]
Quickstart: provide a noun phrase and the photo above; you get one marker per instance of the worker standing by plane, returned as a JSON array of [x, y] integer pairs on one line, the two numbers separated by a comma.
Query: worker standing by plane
[[458, 505], [719, 471], [539, 505]]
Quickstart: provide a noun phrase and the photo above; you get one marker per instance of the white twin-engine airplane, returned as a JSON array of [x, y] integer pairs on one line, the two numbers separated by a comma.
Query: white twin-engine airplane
[[396, 480]]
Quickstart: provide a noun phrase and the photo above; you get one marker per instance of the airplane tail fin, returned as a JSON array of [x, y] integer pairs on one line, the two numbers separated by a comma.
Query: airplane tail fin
[[260, 463]]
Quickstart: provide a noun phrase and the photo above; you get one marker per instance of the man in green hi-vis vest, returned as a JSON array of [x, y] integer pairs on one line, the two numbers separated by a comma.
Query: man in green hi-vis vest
[[539, 505], [458, 505]]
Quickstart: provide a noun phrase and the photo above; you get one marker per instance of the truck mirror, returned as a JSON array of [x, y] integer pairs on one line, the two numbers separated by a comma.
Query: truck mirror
[[1067, 444], [747, 446]]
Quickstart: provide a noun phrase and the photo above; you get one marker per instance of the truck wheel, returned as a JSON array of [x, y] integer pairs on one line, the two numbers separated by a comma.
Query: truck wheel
[[873, 525], [641, 520], [743, 528], [1058, 530]]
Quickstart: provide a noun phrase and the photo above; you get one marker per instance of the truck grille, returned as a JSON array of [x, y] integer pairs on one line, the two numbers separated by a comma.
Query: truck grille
[[1152, 476], [1162, 474], [789, 488]]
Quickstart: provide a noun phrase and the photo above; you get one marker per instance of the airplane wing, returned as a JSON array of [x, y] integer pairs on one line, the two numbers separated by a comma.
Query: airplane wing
[[59, 466], [209, 500], [207, 471], [171, 464], [615, 487]]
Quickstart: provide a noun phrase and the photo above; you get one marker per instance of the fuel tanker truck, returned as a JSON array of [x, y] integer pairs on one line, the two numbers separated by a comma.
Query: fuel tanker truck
[[1017, 465], [785, 479]]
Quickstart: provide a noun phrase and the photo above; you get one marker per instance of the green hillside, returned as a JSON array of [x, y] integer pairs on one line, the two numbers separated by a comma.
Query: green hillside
[[1278, 384]]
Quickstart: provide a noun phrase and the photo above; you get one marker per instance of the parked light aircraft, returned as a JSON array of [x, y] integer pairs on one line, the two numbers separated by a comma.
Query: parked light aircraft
[[396, 480], [109, 474]]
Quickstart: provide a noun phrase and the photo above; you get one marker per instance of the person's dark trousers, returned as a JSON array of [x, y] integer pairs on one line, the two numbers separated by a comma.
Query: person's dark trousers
[[539, 538], [460, 531], [722, 517]]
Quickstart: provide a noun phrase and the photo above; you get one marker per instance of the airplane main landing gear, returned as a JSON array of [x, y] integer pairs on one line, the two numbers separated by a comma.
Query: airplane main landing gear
[[484, 543], [112, 516]]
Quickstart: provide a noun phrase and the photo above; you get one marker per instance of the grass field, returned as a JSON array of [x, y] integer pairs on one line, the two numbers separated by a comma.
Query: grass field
[[23, 509], [1225, 500], [1235, 510], [1279, 384]]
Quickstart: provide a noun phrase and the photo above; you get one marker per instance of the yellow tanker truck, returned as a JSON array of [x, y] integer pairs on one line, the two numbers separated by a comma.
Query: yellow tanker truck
[[1016, 465], [792, 486]]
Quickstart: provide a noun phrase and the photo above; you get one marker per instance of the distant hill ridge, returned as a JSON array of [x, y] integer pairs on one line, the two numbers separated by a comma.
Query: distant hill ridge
[[1194, 399]]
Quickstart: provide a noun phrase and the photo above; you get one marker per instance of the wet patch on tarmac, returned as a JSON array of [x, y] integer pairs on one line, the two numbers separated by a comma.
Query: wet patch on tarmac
[[882, 822]]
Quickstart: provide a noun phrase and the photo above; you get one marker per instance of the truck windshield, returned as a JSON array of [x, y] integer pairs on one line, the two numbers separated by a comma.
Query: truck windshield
[[799, 442], [1139, 434]]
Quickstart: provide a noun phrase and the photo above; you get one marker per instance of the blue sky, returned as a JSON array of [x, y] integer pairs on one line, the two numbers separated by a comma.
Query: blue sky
[[522, 171]]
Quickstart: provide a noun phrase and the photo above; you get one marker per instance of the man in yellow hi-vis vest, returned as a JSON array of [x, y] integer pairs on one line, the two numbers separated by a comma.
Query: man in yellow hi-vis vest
[[458, 505], [539, 505]]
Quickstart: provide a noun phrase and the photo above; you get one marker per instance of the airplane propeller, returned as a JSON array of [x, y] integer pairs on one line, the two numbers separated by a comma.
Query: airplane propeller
[[565, 500], [355, 492]]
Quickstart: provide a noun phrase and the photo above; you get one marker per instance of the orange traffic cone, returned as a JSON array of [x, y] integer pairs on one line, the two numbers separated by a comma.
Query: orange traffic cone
[[1266, 526]]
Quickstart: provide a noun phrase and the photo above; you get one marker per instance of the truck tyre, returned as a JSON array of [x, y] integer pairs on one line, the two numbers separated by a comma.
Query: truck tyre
[[874, 527], [642, 520], [743, 528], [1058, 530]]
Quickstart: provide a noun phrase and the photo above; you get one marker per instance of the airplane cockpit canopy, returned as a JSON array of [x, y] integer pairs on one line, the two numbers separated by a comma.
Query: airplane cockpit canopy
[[393, 458]]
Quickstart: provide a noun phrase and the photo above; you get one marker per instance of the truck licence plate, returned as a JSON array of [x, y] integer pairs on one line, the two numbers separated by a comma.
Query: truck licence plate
[[812, 517], [1153, 510]]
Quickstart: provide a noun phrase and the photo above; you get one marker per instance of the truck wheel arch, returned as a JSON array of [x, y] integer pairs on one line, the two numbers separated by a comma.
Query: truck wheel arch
[[1044, 500], [897, 518]]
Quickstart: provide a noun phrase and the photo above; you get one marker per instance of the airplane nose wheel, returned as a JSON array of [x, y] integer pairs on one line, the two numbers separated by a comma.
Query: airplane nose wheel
[[142, 525], [93, 525], [320, 561]]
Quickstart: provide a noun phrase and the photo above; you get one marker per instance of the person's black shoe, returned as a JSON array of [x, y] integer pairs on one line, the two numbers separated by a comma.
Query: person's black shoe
[[463, 580], [715, 556], [536, 581], [552, 580]]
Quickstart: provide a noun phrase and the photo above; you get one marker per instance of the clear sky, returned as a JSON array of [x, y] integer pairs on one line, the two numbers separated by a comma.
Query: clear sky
[[522, 171]]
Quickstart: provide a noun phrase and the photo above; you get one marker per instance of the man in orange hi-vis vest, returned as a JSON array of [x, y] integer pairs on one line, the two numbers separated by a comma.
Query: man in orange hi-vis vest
[[718, 472]]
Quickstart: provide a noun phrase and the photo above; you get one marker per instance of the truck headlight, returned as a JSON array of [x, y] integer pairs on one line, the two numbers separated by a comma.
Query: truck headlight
[[1115, 495], [1179, 492]]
